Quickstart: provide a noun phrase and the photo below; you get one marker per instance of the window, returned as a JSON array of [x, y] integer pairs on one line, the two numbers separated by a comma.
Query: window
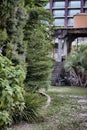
[[74, 4], [59, 22], [58, 12], [60, 4], [86, 11], [70, 22], [47, 6], [85, 3], [73, 12]]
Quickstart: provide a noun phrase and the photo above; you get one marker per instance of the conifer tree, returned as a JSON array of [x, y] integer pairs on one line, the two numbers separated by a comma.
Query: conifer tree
[[15, 25], [12, 22], [38, 41]]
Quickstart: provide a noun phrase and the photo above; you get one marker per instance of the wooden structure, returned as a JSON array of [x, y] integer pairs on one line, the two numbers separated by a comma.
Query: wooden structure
[[65, 38]]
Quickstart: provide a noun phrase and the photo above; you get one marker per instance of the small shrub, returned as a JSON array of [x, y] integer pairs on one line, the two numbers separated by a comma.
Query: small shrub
[[11, 90], [33, 104]]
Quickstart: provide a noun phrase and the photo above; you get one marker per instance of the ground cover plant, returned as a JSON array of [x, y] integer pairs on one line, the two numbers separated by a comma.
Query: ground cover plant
[[67, 111]]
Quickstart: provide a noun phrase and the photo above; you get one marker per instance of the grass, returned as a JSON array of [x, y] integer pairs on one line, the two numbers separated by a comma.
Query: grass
[[64, 112], [69, 90]]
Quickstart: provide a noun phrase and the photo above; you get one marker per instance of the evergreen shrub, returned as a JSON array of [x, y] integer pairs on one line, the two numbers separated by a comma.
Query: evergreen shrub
[[11, 91], [33, 105]]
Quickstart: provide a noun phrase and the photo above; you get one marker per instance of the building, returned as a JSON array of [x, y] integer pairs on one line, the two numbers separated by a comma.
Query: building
[[64, 10]]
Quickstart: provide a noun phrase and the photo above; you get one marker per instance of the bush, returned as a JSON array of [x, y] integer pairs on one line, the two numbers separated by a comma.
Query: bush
[[32, 110], [39, 62], [11, 90], [77, 65]]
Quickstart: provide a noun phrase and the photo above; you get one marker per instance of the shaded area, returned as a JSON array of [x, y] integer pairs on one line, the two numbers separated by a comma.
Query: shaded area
[[60, 77]]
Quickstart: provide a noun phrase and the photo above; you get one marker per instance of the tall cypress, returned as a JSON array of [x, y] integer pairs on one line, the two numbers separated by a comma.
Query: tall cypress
[[12, 22], [38, 58], [15, 25]]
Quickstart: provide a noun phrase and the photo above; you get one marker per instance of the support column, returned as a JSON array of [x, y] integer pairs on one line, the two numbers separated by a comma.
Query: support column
[[70, 39], [59, 50], [65, 47]]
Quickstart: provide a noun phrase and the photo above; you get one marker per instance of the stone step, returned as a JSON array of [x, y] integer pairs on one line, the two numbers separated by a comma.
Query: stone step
[[56, 72]]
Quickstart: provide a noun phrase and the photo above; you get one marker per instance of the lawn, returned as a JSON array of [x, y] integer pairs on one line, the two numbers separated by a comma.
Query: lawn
[[67, 111]]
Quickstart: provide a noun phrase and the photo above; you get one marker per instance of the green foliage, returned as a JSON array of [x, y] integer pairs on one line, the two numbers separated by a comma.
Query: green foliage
[[40, 3], [12, 22], [15, 25], [37, 3], [77, 64], [24, 37], [33, 104], [5, 119], [78, 57], [39, 62], [11, 90], [31, 112], [3, 36], [38, 41], [5, 7]]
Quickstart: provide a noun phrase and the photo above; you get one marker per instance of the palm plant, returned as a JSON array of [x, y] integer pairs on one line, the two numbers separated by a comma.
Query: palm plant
[[77, 65]]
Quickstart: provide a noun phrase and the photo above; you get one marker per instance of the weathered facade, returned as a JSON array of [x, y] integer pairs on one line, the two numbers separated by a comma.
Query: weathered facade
[[70, 25], [65, 38], [64, 10]]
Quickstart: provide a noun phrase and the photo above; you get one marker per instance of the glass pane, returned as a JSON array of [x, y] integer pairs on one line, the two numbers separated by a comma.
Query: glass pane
[[85, 10], [74, 4], [85, 3], [73, 12], [70, 22], [59, 22], [58, 13], [59, 4], [47, 6]]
